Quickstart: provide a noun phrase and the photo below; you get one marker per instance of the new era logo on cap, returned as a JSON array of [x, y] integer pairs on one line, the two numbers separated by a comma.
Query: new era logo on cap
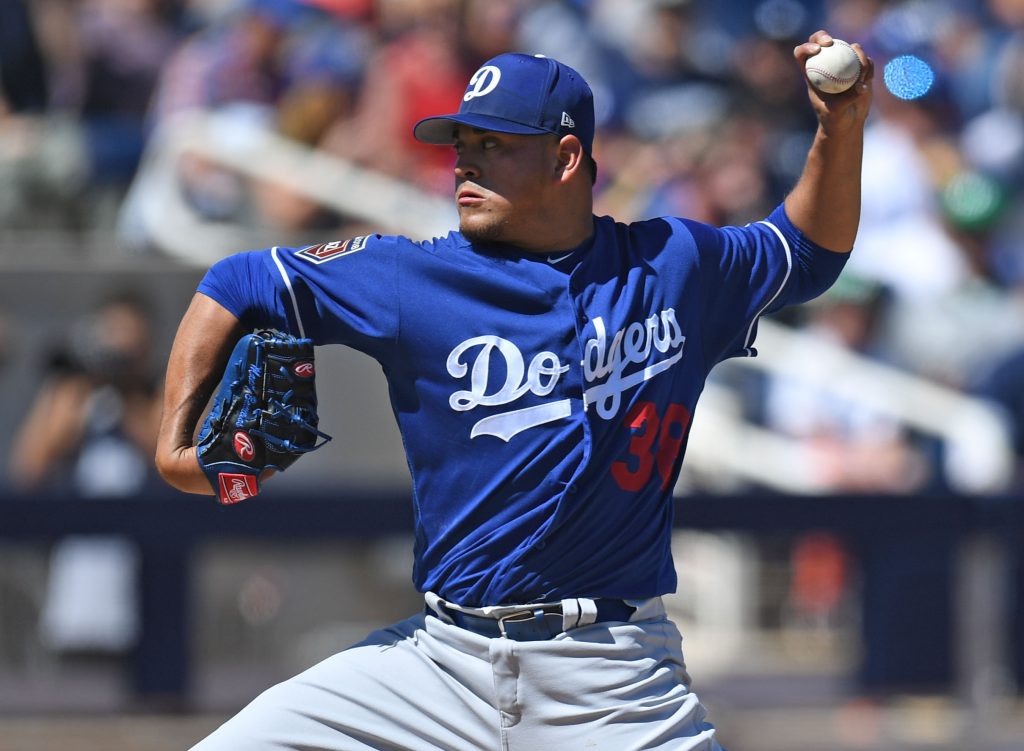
[[524, 94]]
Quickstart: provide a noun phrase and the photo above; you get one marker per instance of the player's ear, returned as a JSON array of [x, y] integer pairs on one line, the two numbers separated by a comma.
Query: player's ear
[[569, 157]]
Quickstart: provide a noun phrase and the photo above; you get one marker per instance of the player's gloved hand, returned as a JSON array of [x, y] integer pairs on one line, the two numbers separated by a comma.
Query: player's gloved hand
[[264, 416]]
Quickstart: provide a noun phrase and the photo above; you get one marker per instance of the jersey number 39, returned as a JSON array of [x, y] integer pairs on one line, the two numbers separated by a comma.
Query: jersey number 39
[[655, 444]]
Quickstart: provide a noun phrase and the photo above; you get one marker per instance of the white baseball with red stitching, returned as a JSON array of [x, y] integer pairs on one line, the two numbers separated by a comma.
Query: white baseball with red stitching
[[835, 69]]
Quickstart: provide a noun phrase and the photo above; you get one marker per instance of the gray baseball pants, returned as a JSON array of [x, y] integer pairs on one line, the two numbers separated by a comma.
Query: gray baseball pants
[[424, 684]]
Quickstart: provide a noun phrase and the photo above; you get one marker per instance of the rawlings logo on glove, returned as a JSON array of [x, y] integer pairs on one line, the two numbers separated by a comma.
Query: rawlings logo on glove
[[264, 415]]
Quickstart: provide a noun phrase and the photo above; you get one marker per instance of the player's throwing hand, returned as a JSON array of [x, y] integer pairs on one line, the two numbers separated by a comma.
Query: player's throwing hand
[[848, 109]]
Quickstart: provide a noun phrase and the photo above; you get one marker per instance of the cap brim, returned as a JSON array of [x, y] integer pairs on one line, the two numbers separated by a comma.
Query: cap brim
[[440, 129]]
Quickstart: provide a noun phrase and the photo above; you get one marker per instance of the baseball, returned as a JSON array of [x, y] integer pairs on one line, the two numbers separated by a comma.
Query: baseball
[[834, 69]]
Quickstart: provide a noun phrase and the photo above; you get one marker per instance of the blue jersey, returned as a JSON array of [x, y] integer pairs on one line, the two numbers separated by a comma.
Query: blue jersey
[[544, 401]]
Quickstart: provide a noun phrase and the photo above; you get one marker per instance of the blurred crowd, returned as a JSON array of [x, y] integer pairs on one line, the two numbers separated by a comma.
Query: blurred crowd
[[701, 114]]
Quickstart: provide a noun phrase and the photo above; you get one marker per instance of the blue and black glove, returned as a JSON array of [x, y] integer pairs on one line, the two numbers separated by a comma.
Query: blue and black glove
[[264, 415]]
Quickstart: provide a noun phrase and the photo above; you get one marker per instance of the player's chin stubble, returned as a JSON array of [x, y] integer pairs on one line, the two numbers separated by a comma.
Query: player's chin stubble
[[483, 229]]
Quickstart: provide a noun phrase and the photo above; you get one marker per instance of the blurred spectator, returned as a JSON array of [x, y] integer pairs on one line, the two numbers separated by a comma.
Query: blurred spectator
[[23, 85], [124, 45], [419, 66], [91, 432], [289, 67], [42, 160], [231, 66], [87, 69], [322, 68], [818, 599], [92, 426], [850, 447], [902, 242], [235, 59]]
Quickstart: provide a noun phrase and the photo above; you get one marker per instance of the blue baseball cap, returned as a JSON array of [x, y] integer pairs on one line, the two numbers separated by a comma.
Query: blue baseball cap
[[524, 94]]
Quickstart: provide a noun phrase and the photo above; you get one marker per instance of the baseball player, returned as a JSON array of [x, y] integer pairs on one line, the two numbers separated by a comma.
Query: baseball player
[[544, 365]]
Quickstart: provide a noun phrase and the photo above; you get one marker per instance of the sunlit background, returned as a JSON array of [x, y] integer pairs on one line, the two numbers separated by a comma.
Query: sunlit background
[[850, 527]]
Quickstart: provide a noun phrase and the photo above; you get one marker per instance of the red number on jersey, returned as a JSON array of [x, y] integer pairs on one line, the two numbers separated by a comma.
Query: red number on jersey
[[642, 421], [655, 443]]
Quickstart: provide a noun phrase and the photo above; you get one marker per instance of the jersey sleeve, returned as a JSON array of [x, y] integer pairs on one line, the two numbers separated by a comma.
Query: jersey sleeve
[[337, 293], [749, 271], [243, 286]]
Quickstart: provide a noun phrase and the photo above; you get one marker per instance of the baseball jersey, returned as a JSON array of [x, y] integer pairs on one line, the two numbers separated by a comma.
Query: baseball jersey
[[544, 401]]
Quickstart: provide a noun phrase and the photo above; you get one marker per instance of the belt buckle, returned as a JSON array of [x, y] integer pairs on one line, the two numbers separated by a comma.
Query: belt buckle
[[528, 625]]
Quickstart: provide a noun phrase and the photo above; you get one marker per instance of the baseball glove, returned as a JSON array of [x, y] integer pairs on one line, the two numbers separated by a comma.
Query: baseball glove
[[264, 415]]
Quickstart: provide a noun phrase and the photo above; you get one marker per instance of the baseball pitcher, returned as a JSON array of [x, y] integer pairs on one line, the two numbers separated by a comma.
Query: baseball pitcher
[[544, 365]]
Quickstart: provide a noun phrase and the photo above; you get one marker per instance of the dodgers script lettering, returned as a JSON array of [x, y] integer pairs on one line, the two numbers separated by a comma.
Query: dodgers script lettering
[[540, 378], [630, 345], [604, 360]]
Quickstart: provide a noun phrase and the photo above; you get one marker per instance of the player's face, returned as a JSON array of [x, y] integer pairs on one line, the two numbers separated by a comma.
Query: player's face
[[503, 185]]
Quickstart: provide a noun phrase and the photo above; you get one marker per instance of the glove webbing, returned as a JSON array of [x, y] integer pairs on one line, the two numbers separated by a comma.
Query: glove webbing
[[280, 408]]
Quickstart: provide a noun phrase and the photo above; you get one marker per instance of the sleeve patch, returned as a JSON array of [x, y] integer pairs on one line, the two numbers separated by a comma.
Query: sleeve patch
[[328, 252]]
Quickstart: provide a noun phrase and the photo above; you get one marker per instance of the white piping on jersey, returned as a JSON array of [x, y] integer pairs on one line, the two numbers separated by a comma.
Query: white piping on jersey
[[789, 269], [291, 292]]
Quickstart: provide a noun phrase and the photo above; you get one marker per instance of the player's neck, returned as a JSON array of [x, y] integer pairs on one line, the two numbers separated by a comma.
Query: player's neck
[[567, 238], [564, 229]]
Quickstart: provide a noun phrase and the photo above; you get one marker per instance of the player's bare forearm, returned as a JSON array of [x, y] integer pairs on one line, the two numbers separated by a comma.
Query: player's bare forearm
[[825, 203], [201, 347]]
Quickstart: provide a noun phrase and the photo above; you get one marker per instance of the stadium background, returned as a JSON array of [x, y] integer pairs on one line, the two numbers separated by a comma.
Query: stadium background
[[142, 139]]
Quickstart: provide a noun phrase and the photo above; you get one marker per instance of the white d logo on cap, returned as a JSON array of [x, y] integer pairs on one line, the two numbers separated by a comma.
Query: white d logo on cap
[[483, 82]]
